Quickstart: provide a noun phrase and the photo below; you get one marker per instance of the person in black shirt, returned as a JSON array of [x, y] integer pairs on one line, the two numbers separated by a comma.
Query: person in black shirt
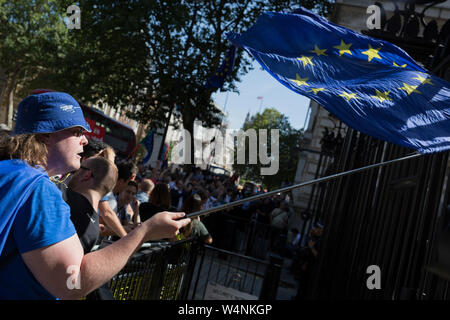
[[84, 218], [177, 194], [159, 201], [95, 178], [263, 208]]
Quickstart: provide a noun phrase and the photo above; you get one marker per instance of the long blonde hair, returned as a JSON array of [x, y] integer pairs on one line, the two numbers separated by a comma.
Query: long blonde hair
[[27, 147]]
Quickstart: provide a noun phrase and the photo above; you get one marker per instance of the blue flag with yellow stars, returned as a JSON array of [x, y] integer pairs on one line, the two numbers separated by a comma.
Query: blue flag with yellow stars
[[217, 79], [371, 85], [147, 142]]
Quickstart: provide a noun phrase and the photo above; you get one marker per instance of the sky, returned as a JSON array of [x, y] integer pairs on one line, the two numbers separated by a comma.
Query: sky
[[259, 83]]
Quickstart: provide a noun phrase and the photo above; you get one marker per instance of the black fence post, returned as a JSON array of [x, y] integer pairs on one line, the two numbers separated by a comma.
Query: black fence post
[[192, 260], [271, 279]]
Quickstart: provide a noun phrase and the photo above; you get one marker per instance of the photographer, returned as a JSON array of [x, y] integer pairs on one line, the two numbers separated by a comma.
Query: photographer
[[279, 222]]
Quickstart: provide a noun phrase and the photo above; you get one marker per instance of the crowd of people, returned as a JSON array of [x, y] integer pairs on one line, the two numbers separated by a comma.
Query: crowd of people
[[65, 194], [175, 189], [142, 191]]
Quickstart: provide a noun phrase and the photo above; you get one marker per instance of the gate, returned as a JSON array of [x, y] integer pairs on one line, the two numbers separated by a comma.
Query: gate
[[386, 217], [395, 217]]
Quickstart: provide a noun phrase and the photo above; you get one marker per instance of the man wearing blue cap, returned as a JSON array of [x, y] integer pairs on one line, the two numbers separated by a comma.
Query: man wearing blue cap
[[40, 254]]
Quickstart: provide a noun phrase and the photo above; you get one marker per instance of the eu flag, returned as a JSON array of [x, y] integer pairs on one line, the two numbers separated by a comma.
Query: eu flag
[[147, 142], [217, 79], [370, 84]]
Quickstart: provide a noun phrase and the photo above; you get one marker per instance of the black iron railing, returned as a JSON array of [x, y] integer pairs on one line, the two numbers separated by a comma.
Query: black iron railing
[[160, 272], [257, 278], [184, 269], [385, 217]]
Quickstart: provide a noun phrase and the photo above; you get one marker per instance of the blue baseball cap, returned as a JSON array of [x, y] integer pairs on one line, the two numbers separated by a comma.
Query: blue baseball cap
[[49, 112]]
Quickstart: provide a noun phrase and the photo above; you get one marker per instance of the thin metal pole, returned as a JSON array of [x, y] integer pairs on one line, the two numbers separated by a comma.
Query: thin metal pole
[[300, 185], [260, 104], [226, 100], [166, 128]]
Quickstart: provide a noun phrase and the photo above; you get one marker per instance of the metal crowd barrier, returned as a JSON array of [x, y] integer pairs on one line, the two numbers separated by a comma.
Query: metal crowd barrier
[[249, 278], [159, 271], [184, 269]]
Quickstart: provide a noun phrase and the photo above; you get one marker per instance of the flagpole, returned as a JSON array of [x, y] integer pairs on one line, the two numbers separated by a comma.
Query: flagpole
[[166, 128], [225, 104], [297, 186]]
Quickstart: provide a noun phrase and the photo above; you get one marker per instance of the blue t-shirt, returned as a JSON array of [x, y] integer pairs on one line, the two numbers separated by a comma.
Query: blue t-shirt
[[142, 196], [112, 200], [43, 220]]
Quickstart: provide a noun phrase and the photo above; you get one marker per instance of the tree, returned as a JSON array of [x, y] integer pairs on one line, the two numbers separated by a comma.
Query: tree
[[187, 44], [149, 58], [154, 57], [106, 60], [32, 33], [289, 144]]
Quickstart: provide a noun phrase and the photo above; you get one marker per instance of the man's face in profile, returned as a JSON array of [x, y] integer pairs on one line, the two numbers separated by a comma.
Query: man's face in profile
[[129, 193]]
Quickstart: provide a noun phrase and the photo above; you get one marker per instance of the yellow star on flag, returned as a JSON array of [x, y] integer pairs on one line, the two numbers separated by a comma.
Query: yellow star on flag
[[316, 90], [306, 60], [300, 81], [372, 53], [409, 88], [396, 65], [423, 80], [382, 95], [348, 96], [319, 52], [343, 48]]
